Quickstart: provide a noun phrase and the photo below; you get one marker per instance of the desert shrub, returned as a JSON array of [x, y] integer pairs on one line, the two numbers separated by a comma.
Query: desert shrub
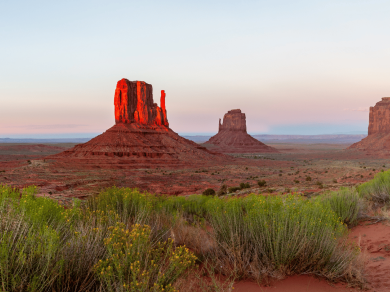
[[335, 181], [44, 247], [244, 186], [261, 183], [296, 181], [308, 178], [319, 184], [261, 237], [208, 192], [234, 189], [119, 240], [345, 202], [377, 189], [136, 263], [129, 204], [28, 252]]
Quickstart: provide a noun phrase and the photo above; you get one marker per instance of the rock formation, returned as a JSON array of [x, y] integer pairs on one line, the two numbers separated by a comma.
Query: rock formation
[[141, 136], [233, 138], [378, 139], [134, 104]]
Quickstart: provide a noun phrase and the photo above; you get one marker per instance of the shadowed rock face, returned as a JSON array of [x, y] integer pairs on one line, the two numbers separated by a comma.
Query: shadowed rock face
[[233, 120], [378, 139], [134, 104], [233, 138], [380, 117]]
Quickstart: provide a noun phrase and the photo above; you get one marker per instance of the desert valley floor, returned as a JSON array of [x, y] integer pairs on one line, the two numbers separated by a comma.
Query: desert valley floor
[[305, 168]]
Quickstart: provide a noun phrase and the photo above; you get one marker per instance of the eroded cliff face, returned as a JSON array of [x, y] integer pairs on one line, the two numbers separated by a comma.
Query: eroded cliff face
[[380, 117], [233, 120], [134, 104]]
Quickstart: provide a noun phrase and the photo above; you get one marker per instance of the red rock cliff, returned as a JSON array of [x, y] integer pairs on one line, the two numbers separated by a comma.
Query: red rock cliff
[[134, 104], [233, 120], [379, 121]]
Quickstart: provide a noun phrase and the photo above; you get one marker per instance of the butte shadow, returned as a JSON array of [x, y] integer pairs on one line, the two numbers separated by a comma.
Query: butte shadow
[[140, 138], [233, 138], [378, 139]]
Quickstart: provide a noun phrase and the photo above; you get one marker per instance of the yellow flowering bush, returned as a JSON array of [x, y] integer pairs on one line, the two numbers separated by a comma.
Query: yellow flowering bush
[[135, 263]]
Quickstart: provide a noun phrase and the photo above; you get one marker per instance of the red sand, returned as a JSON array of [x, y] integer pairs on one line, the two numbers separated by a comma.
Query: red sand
[[300, 283], [375, 240]]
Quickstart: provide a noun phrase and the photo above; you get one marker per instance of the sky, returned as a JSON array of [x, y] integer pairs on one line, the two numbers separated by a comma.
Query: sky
[[293, 67]]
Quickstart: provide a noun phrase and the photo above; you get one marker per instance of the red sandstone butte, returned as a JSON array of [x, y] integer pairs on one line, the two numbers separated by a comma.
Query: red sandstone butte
[[134, 104], [141, 136], [378, 139], [233, 138]]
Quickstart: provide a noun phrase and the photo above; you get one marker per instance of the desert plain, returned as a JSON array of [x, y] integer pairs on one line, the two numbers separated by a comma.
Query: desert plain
[[307, 168]]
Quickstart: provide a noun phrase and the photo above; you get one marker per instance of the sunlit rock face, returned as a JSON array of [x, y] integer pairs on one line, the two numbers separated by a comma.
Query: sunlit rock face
[[233, 138], [134, 104]]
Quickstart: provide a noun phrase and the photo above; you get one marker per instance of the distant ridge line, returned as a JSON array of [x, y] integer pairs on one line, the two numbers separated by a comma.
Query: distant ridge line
[[40, 141]]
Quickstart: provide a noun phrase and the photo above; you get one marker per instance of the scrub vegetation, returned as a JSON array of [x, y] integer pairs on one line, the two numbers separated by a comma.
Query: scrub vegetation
[[125, 240]]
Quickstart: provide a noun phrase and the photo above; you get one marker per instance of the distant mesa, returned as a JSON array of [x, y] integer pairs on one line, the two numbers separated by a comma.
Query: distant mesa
[[232, 136], [141, 136], [378, 139]]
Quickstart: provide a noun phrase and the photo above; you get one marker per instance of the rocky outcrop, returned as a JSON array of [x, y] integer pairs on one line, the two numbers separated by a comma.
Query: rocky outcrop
[[378, 139], [232, 136], [379, 120], [134, 104], [140, 138], [233, 120]]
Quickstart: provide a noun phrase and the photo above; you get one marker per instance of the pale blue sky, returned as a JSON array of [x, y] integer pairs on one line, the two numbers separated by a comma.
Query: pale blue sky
[[293, 67]]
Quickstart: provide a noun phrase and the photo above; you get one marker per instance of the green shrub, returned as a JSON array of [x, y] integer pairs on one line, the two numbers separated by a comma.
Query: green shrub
[[346, 203], [28, 252], [263, 236], [244, 186], [377, 189], [119, 240], [233, 189], [209, 192], [56, 249], [261, 183]]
